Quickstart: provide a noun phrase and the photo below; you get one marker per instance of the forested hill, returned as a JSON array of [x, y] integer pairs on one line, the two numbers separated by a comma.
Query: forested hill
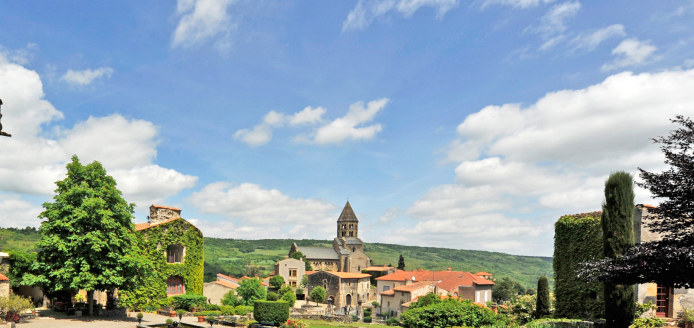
[[238, 257]]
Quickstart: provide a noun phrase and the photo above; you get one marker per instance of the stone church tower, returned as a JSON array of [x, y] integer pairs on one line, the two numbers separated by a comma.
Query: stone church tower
[[347, 224]]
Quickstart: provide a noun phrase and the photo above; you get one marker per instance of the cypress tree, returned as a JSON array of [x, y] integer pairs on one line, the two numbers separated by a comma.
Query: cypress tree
[[401, 263], [618, 237], [542, 305]]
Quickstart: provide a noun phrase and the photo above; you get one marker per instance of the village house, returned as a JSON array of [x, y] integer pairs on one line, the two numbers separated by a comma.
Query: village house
[[215, 290], [344, 289], [347, 252], [292, 270]]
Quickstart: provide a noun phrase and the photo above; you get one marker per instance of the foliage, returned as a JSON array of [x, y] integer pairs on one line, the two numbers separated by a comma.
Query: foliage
[[551, 323], [15, 303], [294, 324], [375, 304], [230, 298], [577, 239], [212, 307], [652, 322], [542, 307], [277, 281], [289, 297], [523, 308], [318, 294], [284, 290], [450, 312], [401, 263], [140, 315], [227, 310], [394, 321], [20, 263], [304, 281], [250, 290], [641, 308], [87, 240], [189, 301], [618, 236], [267, 311], [206, 313], [670, 260], [426, 300], [505, 289], [169, 321], [181, 312], [687, 316], [367, 319], [272, 296], [243, 309], [300, 291], [211, 318]]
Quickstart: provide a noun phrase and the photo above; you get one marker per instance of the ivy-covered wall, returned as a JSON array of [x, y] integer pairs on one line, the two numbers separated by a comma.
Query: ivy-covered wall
[[577, 239], [153, 242]]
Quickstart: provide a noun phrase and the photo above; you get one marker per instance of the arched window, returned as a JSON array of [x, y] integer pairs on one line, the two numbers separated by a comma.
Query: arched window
[[174, 254], [351, 233], [174, 286], [343, 234], [455, 294]]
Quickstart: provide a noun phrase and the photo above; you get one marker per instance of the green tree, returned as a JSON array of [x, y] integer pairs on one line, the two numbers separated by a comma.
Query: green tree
[[230, 298], [542, 305], [304, 281], [426, 300], [290, 297], [506, 289], [277, 282], [250, 289], [318, 294], [285, 289], [401, 263], [300, 256], [20, 264], [272, 296], [87, 239], [618, 236]]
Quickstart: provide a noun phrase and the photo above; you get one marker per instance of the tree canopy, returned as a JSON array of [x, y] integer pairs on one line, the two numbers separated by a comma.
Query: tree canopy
[[401, 263], [250, 289], [87, 239], [670, 260], [277, 281], [318, 294]]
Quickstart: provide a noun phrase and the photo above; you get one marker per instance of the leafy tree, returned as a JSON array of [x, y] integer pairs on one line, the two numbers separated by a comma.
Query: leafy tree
[[87, 239], [426, 300], [250, 289], [401, 263], [505, 289], [300, 256], [304, 281], [290, 297], [618, 237], [670, 260], [543, 301], [272, 296], [318, 294], [276, 281], [285, 289], [230, 298], [20, 263]]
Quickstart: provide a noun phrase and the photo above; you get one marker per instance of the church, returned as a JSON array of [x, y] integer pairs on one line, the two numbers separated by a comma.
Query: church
[[347, 253]]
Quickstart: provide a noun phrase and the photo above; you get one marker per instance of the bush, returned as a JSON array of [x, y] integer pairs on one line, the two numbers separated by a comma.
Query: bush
[[230, 298], [299, 291], [289, 297], [243, 310], [394, 321], [189, 301], [367, 319], [227, 310], [367, 312], [318, 294], [542, 305], [277, 281], [211, 307], [294, 324], [271, 296], [181, 312], [267, 311], [448, 313], [284, 290], [169, 321], [140, 315], [15, 303], [648, 323], [207, 313]]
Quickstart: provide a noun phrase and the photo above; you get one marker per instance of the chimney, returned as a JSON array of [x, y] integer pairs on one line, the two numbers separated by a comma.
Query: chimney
[[158, 213], [449, 269]]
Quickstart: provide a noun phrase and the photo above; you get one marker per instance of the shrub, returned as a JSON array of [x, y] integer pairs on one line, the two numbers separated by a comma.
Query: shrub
[[211, 307], [140, 315], [448, 313], [318, 294], [189, 301], [15, 303], [268, 311], [367, 312], [271, 296], [243, 310], [277, 281], [542, 307], [642, 308], [181, 312], [207, 313], [687, 316], [294, 324], [394, 321], [230, 298], [289, 297], [299, 291], [169, 321], [227, 309], [648, 323], [284, 290], [367, 319]]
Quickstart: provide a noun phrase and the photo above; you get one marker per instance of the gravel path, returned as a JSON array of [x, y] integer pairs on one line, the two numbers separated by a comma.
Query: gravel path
[[52, 319]]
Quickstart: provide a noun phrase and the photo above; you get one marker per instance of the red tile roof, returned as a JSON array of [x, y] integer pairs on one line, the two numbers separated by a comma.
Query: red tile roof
[[3, 277], [388, 292], [166, 207], [482, 273], [413, 287], [226, 284], [227, 277], [349, 275], [378, 268], [147, 225]]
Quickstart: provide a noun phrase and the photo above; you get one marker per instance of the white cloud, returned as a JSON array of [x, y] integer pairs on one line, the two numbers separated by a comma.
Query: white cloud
[[202, 20], [630, 52], [521, 167], [554, 21], [516, 3], [389, 215], [258, 136], [20, 56], [308, 116], [689, 63], [34, 158], [264, 210], [590, 41], [367, 10], [87, 76], [17, 212], [350, 126]]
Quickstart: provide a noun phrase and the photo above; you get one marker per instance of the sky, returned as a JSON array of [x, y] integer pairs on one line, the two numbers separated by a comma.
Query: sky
[[445, 123]]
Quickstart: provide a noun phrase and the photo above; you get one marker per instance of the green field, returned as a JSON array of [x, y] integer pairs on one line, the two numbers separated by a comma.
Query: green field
[[236, 257]]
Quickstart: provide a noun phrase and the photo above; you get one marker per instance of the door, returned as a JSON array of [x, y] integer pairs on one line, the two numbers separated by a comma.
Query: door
[[662, 301], [348, 300]]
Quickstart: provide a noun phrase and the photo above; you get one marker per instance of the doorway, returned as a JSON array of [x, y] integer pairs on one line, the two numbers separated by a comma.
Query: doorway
[[348, 300], [662, 301]]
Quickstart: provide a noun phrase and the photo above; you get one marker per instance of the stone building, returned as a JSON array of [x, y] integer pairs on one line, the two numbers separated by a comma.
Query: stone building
[[292, 270], [344, 289], [4, 286], [215, 290], [347, 252], [670, 301]]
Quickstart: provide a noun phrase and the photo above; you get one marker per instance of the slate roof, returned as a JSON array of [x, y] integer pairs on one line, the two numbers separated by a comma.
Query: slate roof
[[322, 253], [353, 241], [347, 214]]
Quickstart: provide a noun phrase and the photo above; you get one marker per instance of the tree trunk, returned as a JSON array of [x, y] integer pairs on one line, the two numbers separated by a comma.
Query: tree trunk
[[90, 297]]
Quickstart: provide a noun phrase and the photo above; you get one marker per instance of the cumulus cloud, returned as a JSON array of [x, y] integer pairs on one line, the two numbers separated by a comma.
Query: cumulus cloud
[[515, 3], [521, 167], [202, 20], [258, 136], [631, 52], [87, 76], [367, 10], [17, 212], [253, 208], [589, 41], [34, 158], [553, 23]]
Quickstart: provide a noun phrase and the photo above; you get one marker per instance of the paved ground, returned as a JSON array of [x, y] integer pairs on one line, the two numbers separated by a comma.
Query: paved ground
[[52, 319]]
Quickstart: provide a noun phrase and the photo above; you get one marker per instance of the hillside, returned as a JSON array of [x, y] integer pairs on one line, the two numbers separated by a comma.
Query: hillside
[[236, 257]]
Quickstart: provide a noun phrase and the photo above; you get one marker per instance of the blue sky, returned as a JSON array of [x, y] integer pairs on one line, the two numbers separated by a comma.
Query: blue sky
[[462, 124]]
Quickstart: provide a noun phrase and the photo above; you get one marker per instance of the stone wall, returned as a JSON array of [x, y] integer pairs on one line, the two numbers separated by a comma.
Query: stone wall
[[158, 214], [4, 288]]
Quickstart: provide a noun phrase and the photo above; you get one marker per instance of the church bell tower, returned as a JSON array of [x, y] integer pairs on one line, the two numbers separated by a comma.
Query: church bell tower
[[347, 224]]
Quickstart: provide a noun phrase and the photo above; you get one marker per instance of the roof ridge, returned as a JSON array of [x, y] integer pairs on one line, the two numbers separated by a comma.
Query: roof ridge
[[347, 214]]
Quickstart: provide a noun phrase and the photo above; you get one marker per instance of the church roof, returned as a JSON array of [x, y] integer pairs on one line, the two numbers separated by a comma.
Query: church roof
[[353, 241], [323, 253], [347, 214]]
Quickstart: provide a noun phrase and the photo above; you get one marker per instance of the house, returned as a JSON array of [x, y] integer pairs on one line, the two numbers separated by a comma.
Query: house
[[176, 248], [4, 286], [670, 301], [215, 290], [392, 300], [347, 252], [344, 289], [292, 270], [484, 275]]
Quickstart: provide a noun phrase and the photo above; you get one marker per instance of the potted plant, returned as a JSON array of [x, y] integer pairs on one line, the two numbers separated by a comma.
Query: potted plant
[[211, 319], [201, 318], [687, 318], [172, 314], [169, 322], [180, 313], [139, 317]]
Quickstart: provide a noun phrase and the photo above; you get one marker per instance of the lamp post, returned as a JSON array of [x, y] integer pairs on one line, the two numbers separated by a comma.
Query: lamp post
[[4, 134]]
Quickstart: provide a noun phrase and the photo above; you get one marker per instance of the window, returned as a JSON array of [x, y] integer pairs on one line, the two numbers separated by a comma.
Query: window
[[174, 254], [388, 304], [485, 296], [455, 294], [343, 234], [359, 266], [344, 226], [351, 234], [292, 272], [292, 283], [478, 297], [354, 249], [174, 286], [386, 288]]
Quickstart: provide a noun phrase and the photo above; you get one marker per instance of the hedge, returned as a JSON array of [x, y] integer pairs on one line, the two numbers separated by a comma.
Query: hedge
[[447, 314], [577, 239], [243, 310], [207, 313], [190, 301], [267, 311]]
